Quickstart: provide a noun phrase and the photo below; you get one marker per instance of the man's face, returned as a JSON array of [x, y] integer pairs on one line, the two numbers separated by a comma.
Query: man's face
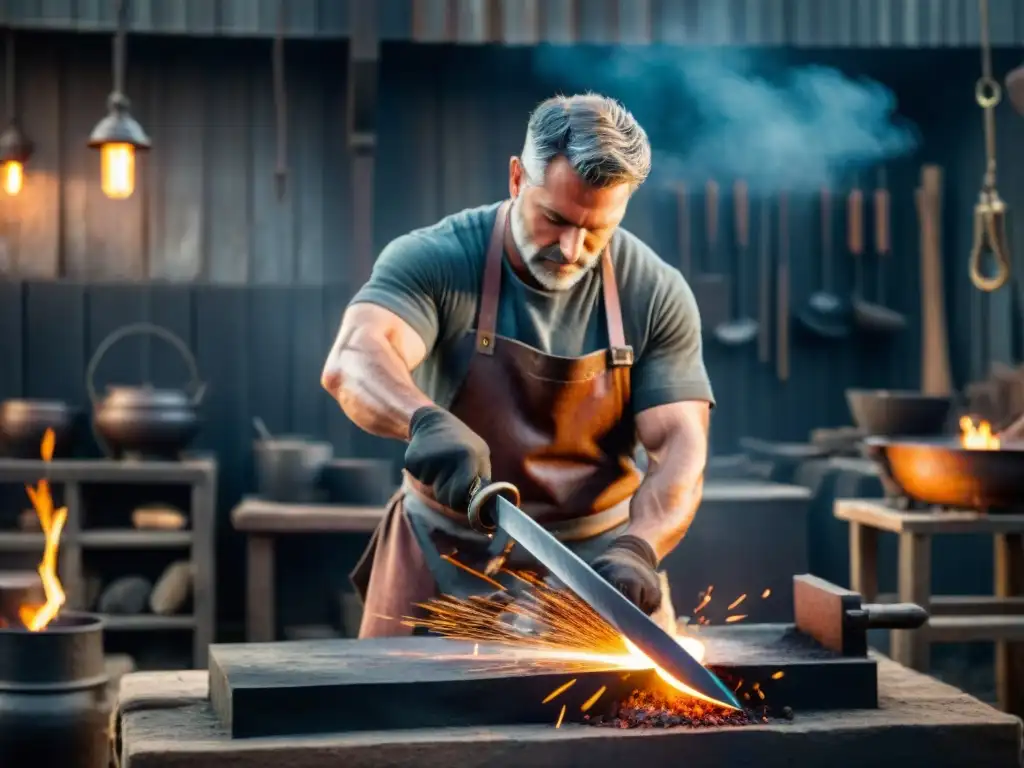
[[561, 227]]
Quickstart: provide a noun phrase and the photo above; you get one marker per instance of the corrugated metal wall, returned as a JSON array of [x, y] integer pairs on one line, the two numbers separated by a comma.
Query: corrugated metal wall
[[813, 23], [205, 206]]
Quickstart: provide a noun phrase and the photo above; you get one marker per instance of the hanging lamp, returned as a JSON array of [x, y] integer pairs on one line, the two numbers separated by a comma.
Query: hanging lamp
[[15, 148], [118, 136]]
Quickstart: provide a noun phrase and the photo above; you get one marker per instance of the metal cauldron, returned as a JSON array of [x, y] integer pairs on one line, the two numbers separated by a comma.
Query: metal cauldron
[[24, 422], [141, 420], [898, 413], [53, 695], [944, 473]]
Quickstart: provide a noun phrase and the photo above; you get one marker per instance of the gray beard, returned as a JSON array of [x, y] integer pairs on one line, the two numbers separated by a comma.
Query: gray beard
[[540, 261]]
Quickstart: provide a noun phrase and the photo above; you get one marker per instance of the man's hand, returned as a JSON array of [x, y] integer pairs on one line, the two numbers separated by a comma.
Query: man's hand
[[629, 565], [446, 455]]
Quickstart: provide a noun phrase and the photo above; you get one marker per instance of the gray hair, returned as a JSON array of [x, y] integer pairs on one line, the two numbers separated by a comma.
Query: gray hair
[[599, 137]]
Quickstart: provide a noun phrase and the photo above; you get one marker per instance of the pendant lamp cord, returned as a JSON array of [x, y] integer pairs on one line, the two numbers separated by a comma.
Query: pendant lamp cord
[[280, 103]]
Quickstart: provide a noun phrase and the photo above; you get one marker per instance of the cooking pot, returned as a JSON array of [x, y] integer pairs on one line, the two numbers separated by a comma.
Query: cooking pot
[[288, 468], [942, 472], [24, 422], [359, 482], [143, 421], [891, 413]]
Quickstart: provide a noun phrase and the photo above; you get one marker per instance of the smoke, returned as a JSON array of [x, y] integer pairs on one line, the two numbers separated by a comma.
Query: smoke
[[729, 114]]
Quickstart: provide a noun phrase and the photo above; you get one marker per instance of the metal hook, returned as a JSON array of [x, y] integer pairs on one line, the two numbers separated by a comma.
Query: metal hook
[[990, 235]]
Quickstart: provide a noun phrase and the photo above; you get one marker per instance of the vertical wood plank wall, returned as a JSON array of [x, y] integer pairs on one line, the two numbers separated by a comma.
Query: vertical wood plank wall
[[257, 286], [205, 207]]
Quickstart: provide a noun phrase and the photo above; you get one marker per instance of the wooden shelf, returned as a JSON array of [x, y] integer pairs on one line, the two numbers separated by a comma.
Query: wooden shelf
[[146, 623], [21, 541], [186, 471], [111, 538], [198, 472], [130, 538]]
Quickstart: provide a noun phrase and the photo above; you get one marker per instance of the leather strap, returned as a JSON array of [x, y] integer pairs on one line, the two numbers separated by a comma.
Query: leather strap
[[488, 322], [620, 354]]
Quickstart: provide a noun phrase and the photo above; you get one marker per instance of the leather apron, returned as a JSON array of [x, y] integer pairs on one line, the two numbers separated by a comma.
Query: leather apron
[[560, 428]]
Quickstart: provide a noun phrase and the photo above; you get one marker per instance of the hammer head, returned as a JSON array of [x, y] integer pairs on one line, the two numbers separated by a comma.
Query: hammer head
[[1015, 88]]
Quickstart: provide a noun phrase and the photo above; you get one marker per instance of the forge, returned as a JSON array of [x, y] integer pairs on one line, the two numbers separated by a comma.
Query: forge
[[827, 700]]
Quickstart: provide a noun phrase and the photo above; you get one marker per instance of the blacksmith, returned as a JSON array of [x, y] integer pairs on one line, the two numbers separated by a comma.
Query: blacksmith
[[533, 341]]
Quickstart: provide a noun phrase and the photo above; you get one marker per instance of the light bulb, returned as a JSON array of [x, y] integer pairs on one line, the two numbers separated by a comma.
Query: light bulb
[[13, 177], [117, 170]]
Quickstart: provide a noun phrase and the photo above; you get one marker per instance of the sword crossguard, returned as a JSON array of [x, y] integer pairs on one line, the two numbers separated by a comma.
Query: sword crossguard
[[481, 508]]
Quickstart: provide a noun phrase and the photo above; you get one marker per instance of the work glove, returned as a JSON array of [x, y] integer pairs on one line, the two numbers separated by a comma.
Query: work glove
[[446, 455], [629, 565]]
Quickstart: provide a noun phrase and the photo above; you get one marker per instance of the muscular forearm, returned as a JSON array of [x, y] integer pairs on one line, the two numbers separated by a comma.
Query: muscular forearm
[[664, 505], [373, 385]]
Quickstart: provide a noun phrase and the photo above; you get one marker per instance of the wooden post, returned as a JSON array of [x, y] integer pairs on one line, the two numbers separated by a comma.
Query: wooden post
[[1008, 567], [910, 647], [260, 587], [864, 561]]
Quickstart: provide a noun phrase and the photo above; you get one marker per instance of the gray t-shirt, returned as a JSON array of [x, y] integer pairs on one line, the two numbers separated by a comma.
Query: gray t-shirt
[[431, 278]]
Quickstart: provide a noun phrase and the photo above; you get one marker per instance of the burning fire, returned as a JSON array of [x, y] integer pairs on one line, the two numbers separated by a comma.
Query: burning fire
[[37, 617], [564, 631], [978, 437]]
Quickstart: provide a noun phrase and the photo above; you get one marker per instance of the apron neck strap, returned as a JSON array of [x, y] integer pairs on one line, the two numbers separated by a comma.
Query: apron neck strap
[[620, 354]]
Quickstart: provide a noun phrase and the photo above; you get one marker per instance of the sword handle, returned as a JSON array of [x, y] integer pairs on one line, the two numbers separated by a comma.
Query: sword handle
[[481, 509]]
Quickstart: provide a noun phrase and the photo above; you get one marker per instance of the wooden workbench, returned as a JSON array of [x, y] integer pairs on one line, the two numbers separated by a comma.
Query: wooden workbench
[[263, 522], [997, 618]]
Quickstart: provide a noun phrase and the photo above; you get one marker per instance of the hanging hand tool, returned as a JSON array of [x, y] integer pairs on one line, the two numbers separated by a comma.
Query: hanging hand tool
[[990, 211], [683, 230], [782, 293], [825, 315], [712, 289], [870, 316], [764, 309], [936, 378], [495, 508], [740, 329]]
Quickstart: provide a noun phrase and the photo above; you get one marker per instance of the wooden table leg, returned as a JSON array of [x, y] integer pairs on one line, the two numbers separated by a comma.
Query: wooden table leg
[[1009, 582], [261, 597], [911, 647], [864, 561]]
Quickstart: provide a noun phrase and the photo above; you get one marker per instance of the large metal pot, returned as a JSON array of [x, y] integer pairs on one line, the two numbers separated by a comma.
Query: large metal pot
[[53, 695], [359, 482], [24, 422], [141, 420], [943, 472], [288, 469], [895, 413]]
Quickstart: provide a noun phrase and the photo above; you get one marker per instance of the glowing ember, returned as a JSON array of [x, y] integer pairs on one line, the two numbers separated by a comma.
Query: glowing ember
[[978, 437], [647, 709], [37, 617]]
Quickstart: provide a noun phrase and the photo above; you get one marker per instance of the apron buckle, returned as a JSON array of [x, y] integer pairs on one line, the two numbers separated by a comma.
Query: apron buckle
[[620, 357]]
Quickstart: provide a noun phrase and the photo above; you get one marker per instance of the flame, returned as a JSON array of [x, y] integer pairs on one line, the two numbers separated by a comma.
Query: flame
[[37, 617], [978, 437]]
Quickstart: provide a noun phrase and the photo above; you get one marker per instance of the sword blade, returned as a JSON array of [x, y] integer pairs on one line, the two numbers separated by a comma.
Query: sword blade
[[612, 605]]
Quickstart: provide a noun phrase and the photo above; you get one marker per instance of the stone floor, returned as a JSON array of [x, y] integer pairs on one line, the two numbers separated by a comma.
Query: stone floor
[[166, 722]]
